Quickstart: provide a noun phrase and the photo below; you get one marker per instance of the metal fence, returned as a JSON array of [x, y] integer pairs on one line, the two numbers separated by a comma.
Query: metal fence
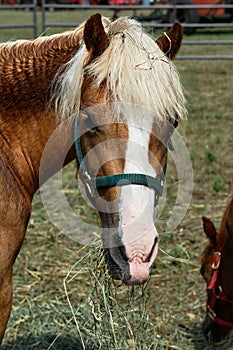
[[158, 16], [30, 5]]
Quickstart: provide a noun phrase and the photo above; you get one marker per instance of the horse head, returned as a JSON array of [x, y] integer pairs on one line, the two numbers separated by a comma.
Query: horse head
[[129, 104], [216, 268]]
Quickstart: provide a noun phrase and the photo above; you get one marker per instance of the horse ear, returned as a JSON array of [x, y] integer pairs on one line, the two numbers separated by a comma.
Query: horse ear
[[170, 42], [210, 230], [95, 37]]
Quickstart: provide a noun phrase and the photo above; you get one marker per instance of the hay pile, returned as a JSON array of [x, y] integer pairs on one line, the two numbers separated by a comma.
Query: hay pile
[[93, 312], [112, 315]]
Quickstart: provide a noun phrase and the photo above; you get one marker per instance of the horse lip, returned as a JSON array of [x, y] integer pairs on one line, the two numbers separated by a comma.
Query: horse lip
[[117, 265], [114, 275], [123, 274], [135, 282], [120, 276]]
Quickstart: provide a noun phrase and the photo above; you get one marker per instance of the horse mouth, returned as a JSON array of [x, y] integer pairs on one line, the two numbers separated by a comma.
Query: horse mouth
[[133, 271], [114, 275], [118, 266]]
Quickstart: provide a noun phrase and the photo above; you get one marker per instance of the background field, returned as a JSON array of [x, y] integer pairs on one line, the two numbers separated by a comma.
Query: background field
[[175, 294]]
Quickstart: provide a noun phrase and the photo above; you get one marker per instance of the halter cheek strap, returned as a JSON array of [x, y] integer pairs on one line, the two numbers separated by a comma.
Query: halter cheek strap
[[217, 293], [93, 183]]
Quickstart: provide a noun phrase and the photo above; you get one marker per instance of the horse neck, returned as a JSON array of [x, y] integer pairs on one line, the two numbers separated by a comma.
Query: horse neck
[[27, 70]]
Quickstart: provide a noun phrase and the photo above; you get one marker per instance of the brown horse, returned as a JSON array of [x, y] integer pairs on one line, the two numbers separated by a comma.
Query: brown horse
[[87, 79], [217, 270]]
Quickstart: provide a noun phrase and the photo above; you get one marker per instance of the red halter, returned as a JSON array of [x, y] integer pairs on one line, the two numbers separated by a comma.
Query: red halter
[[217, 293]]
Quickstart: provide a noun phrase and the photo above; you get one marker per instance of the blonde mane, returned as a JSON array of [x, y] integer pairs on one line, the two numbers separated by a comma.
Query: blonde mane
[[134, 68]]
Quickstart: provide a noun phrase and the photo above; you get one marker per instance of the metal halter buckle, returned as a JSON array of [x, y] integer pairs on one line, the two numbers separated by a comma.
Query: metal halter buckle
[[86, 181], [211, 313], [217, 290], [216, 261]]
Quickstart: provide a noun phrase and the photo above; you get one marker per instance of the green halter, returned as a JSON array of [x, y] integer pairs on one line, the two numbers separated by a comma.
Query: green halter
[[93, 183]]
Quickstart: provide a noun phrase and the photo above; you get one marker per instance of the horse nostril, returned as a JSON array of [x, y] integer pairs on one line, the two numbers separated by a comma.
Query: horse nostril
[[152, 249]]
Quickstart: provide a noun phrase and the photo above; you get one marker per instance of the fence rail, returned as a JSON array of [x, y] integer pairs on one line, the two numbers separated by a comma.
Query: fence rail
[[153, 19], [115, 8], [33, 24]]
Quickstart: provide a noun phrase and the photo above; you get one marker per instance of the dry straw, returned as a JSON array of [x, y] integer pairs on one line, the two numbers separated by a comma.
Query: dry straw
[[113, 316], [116, 316]]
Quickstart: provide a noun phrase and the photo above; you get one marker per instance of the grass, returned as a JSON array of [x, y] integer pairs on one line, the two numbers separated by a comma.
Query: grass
[[62, 290]]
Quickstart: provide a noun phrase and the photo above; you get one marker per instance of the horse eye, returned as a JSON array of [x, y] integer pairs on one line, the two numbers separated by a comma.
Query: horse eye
[[174, 121], [175, 124]]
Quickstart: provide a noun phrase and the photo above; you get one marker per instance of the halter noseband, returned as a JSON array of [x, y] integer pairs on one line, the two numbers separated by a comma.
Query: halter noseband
[[217, 293], [93, 183]]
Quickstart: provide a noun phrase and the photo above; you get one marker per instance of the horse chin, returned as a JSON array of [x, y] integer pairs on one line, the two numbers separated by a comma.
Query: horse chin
[[213, 333]]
